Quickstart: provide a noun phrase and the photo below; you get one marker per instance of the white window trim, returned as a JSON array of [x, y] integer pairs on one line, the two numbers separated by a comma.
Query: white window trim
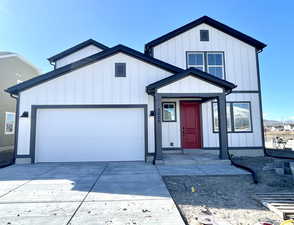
[[13, 128]]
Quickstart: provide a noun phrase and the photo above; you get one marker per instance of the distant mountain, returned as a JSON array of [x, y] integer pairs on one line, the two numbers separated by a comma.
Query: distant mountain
[[269, 123]]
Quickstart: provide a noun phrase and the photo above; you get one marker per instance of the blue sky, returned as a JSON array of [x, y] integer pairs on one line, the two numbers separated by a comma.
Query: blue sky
[[39, 29]]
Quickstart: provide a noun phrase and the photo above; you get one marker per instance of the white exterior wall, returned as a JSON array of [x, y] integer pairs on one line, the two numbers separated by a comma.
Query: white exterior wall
[[190, 84], [93, 84], [235, 139], [240, 58], [82, 53], [171, 130]]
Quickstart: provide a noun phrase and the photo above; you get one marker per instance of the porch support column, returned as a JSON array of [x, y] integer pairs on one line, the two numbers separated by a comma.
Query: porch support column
[[158, 130], [223, 135]]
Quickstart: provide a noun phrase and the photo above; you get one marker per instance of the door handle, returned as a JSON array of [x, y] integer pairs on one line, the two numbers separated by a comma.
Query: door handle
[[183, 130]]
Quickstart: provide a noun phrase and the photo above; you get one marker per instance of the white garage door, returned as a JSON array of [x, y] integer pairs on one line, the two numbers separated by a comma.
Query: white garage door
[[82, 134]]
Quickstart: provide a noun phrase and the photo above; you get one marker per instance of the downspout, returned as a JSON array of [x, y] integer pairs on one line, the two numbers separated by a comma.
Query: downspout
[[262, 130], [53, 64], [238, 165], [261, 114]]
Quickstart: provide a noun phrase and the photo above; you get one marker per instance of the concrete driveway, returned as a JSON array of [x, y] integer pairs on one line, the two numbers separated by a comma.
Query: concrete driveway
[[85, 193]]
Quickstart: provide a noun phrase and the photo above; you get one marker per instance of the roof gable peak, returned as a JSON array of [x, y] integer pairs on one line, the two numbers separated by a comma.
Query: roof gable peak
[[77, 48], [209, 21]]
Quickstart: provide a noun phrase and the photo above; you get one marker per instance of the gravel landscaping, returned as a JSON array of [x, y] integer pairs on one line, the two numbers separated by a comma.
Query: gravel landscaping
[[228, 199]]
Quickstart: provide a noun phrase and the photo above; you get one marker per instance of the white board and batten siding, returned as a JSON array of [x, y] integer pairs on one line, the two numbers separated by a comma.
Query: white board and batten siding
[[190, 84], [240, 58], [171, 131], [80, 54], [93, 84], [254, 138], [240, 69]]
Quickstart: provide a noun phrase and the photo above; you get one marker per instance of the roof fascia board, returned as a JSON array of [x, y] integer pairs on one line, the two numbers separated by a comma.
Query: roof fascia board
[[209, 21], [89, 60], [76, 48]]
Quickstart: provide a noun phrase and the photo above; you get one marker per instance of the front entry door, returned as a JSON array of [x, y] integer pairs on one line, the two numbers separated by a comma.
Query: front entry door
[[190, 124]]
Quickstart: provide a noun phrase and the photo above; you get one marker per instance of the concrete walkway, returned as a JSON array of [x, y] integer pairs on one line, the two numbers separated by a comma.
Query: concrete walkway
[[85, 193], [200, 170]]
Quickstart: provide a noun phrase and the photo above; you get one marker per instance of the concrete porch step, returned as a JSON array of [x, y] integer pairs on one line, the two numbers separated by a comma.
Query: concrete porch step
[[193, 158], [195, 162]]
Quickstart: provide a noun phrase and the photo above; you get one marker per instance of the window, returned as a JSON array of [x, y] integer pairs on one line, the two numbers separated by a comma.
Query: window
[[242, 117], [204, 35], [196, 60], [215, 65], [169, 112], [9, 123], [215, 117], [238, 117], [210, 62], [120, 69]]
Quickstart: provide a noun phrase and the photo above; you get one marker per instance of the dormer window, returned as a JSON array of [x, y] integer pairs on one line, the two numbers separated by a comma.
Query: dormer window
[[120, 70], [210, 62], [204, 35]]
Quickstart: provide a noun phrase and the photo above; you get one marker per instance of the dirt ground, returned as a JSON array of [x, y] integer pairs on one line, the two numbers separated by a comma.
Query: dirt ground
[[228, 199]]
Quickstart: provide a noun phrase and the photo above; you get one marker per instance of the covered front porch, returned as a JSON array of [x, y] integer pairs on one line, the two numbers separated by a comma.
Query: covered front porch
[[177, 102]]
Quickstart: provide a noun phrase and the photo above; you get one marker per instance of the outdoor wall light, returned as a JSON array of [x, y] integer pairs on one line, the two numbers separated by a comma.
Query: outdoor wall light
[[152, 113], [25, 114]]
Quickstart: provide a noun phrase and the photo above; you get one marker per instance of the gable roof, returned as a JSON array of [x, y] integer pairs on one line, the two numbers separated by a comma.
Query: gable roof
[[76, 48], [88, 60], [5, 55], [207, 20], [190, 72]]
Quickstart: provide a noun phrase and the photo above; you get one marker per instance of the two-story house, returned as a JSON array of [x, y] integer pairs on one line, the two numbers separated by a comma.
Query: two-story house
[[14, 69], [196, 88]]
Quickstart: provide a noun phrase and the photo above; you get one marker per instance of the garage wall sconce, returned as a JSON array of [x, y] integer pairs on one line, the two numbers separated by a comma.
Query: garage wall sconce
[[25, 114], [152, 113]]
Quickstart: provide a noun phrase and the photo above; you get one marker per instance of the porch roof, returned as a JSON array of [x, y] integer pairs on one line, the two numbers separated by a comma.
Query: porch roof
[[227, 86]]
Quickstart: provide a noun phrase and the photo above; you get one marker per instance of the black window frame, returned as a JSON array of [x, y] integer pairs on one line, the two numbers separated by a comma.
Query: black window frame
[[124, 69], [203, 35], [205, 61], [162, 106], [232, 117]]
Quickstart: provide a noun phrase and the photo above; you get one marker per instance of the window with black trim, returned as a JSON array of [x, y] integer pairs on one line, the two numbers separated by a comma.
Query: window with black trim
[[204, 35], [169, 112], [238, 117], [215, 117], [120, 70], [210, 62]]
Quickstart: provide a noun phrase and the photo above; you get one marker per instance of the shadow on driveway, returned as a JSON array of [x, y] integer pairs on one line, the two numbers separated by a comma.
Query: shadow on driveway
[[85, 193]]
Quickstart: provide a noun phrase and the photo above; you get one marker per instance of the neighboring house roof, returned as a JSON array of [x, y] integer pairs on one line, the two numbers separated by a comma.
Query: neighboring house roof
[[88, 60], [190, 72], [76, 48], [207, 20], [5, 55]]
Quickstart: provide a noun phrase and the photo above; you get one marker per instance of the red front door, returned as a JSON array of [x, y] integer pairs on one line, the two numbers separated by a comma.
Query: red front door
[[190, 124]]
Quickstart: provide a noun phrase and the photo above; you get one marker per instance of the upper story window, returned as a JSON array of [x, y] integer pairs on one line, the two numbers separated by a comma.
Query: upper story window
[[120, 70], [210, 62], [204, 35]]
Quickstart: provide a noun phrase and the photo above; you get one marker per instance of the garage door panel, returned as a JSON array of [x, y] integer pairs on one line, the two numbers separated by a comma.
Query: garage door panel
[[68, 135]]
